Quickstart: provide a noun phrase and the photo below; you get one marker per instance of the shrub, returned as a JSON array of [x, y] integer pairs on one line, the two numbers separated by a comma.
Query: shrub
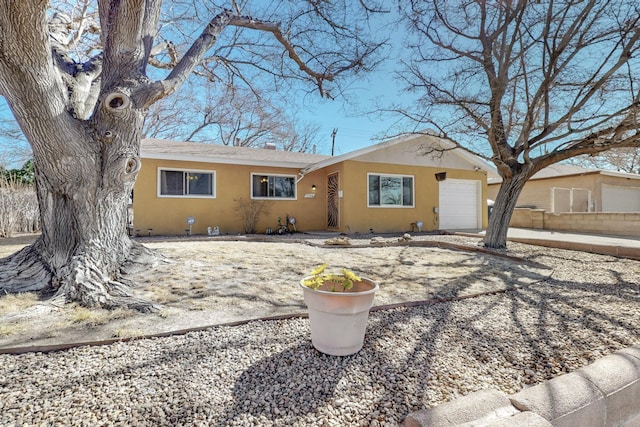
[[250, 210], [18, 207]]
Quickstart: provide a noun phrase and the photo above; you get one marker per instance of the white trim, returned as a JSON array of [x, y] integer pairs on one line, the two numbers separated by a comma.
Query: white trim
[[295, 186], [570, 190], [413, 191], [220, 160], [185, 196], [469, 157]]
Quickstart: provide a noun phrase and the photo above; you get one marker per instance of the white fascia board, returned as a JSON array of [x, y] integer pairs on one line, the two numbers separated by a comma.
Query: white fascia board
[[620, 174], [221, 160], [366, 150]]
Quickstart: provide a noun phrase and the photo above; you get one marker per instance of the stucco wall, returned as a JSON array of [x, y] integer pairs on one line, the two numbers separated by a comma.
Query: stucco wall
[[358, 217], [621, 224], [537, 193], [167, 215]]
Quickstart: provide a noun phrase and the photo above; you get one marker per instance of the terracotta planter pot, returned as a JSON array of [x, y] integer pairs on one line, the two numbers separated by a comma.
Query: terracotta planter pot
[[339, 319]]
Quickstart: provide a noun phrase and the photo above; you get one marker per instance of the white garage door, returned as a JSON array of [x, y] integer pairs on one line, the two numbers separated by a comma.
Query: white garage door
[[460, 204], [620, 199]]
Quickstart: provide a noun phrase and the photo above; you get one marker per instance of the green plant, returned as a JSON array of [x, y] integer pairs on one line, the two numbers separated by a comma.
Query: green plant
[[319, 277]]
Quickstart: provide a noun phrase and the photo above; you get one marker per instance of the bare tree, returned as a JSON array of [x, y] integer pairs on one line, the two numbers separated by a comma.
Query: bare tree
[[81, 106], [621, 160], [235, 116], [14, 149], [524, 84], [18, 206]]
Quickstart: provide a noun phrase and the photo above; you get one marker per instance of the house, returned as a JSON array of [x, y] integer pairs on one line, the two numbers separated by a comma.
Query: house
[[407, 183], [563, 188]]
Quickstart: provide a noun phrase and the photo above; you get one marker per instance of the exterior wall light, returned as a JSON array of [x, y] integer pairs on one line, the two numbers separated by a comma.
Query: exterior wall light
[[441, 176], [313, 187]]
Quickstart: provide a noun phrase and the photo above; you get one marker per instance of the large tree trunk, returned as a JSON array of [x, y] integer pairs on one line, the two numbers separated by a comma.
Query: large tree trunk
[[83, 123], [505, 203], [83, 120], [83, 194]]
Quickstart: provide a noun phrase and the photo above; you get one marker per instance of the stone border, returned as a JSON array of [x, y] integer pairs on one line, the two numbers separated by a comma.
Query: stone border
[[604, 393], [616, 251], [48, 348]]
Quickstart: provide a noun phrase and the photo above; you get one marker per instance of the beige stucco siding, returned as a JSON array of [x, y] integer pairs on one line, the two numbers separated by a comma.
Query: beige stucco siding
[[538, 193], [416, 153], [357, 216], [168, 215]]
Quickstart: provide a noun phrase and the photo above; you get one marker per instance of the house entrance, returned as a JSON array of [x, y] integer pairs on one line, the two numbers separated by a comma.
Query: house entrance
[[333, 201]]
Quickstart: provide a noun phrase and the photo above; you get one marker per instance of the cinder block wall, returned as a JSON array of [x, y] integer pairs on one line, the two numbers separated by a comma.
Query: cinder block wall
[[603, 394], [615, 223]]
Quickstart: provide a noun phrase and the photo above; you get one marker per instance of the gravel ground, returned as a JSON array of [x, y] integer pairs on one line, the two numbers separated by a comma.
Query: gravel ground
[[267, 373]]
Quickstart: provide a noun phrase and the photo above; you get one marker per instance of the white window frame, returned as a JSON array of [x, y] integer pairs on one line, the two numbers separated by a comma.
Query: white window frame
[[392, 175], [268, 174], [187, 196]]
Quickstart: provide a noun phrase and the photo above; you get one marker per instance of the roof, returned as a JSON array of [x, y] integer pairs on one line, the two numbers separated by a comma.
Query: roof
[[432, 139], [216, 153], [562, 170], [151, 148]]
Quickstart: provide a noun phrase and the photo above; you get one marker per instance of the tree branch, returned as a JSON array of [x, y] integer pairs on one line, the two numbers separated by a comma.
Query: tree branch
[[209, 37], [128, 31]]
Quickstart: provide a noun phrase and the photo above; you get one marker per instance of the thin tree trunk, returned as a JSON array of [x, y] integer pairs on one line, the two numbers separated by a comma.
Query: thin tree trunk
[[506, 200]]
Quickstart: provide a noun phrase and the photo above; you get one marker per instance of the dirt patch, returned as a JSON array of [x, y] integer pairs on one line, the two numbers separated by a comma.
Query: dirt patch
[[211, 281]]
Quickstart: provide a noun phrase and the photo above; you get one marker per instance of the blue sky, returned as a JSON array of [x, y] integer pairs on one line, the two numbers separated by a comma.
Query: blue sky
[[356, 128]]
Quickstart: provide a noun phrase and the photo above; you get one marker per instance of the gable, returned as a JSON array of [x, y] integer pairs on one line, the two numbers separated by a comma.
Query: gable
[[422, 149], [417, 152]]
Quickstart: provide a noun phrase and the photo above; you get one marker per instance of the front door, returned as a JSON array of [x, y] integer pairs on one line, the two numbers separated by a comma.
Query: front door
[[333, 201]]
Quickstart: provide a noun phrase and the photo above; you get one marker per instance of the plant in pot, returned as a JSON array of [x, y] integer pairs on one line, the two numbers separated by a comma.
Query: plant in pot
[[338, 309]]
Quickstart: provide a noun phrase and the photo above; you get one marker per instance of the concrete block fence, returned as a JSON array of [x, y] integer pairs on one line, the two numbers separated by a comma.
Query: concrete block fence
[[614, 223], [604, 394]]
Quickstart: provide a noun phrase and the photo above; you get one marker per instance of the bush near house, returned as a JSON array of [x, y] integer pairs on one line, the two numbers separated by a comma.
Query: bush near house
[[18, 206]]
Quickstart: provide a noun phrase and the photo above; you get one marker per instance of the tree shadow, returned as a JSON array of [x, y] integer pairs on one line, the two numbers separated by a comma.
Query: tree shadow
[[289, 385]]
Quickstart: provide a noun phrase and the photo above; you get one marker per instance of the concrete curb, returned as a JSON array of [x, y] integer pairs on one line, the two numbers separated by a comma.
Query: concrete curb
[[616, 251], [629, 252], [604, 393]]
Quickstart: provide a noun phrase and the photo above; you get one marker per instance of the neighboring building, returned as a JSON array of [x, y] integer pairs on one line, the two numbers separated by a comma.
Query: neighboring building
[[563, 188], [387, 187]]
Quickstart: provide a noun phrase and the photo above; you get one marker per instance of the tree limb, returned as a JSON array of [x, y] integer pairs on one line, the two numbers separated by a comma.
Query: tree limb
[[128, 30], [208, 38]]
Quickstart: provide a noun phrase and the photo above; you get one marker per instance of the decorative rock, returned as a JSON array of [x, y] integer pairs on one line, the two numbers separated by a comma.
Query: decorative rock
[[377, 240], [413, 358], [338, 241]]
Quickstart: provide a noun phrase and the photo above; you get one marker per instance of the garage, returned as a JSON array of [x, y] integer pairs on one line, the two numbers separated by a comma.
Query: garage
[[460, 204], [620, 199]]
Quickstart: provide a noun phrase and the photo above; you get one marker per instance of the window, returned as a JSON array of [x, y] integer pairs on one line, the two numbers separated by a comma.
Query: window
[[181, 183], [390, 190], [273, 186]]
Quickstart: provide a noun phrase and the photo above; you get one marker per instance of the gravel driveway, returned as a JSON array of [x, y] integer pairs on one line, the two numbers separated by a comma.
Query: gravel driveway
[[266, 372]]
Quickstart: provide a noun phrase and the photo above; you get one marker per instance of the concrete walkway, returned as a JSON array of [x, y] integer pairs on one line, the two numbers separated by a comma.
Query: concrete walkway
[[595, 243]]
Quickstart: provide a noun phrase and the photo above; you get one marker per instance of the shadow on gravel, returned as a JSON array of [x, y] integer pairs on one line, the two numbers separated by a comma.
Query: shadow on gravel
[[286, 386]]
